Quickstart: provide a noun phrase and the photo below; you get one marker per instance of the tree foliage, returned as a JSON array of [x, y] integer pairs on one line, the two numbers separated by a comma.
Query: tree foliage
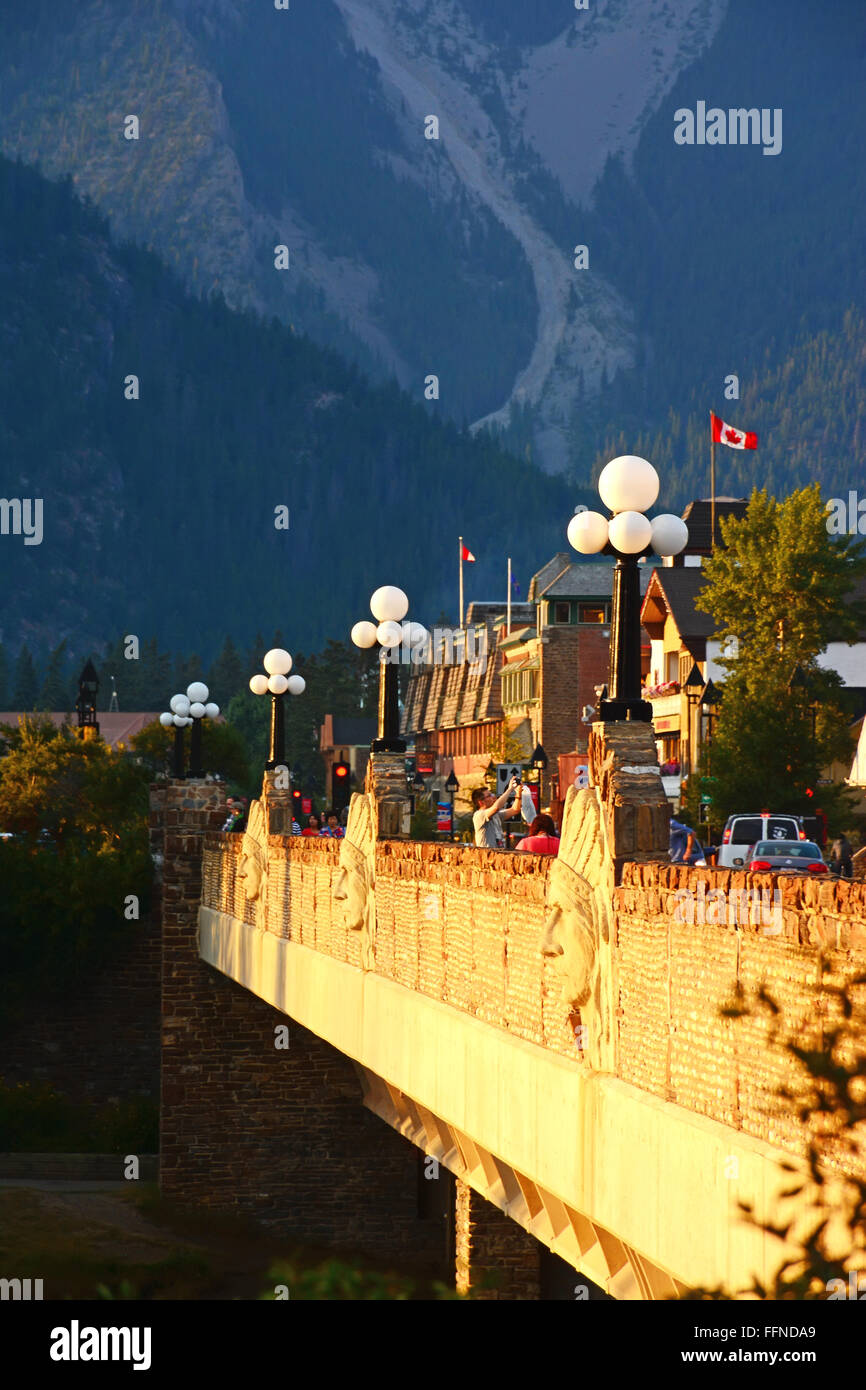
[[782, 588]]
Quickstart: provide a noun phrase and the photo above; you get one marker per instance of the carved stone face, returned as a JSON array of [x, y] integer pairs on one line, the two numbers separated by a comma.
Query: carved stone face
[[350, 889], [250, 871], [569, 933]]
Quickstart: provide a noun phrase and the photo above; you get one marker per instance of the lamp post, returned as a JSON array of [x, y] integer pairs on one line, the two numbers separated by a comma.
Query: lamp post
[[628, 486], [389, 606], [178, 716], [693, 687], [709, 708], [200, 707], [451, 786], [278, 683]]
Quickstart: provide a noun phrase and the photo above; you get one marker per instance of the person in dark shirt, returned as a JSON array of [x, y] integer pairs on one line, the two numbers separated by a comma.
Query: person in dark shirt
[[685, 847]]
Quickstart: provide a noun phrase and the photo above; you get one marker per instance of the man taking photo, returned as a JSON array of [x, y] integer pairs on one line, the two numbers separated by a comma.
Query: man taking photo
[[489, 815]]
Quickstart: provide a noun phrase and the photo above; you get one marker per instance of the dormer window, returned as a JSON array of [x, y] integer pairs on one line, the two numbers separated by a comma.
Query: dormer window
[[593, 613]]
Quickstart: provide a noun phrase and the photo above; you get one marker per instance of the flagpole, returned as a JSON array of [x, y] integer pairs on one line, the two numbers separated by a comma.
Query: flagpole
[[712, 488], [508, 618], [460, 547]]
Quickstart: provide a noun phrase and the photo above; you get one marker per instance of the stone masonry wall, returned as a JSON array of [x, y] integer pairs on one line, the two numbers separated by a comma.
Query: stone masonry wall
[[496, 1259], [277, 1133]]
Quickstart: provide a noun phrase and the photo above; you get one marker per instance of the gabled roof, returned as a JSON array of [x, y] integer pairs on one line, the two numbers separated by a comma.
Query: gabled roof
[[698, 517], [680, 587]]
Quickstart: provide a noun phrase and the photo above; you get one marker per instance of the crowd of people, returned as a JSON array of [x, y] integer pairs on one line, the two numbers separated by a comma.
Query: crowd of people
[[331, 826], [489, 812]]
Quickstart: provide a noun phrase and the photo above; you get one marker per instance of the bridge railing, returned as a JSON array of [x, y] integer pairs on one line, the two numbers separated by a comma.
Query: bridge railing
[[464, 925]]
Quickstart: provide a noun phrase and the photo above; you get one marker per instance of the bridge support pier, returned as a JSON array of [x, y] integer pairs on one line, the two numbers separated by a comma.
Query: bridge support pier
[[259, 1116], [495, 1258]]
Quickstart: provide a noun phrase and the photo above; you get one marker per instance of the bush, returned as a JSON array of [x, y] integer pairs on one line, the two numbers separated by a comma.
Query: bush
[[35, 1119]]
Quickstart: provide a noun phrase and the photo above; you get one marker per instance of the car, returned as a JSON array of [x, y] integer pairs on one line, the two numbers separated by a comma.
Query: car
[[743, 831], [786, 857]]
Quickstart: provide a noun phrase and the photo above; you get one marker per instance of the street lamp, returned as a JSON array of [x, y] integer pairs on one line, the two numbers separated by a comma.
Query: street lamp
[[183, 711], [278, 683], [539, 759], [451, 786], [693, 687], [389, 606], [199, 708], [178, 716], [628, 486]]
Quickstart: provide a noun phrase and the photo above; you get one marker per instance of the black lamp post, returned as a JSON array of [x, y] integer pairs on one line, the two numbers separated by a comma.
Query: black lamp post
[[85, 705], [188, 711], [389, 606], [628, 486], [278, 683], [709, 707], [693, 688], [451, 786]]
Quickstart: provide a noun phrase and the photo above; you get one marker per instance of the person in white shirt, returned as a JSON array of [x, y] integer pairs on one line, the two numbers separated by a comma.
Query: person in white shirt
[[489, 814]]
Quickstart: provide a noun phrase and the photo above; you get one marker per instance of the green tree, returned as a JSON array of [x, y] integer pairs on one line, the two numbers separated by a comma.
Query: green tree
[[782, 588], [25, 686], [223, 747], [782, 582], [54, 694], [4, 677]]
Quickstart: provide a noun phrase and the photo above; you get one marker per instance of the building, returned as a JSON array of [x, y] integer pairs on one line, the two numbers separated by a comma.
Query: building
[[343, 739], [531, 683], [684, 654], [116, 728]]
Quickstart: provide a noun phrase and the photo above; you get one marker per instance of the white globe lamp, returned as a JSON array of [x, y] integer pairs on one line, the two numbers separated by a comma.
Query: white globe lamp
[[389, 604], [628, 484], [588, 532]]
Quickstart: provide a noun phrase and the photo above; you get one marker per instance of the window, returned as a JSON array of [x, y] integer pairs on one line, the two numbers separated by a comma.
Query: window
[[592, 613], [519, 687], [562, 612]]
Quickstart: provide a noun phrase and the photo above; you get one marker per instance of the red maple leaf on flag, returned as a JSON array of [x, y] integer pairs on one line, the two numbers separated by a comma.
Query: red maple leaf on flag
[[733, 436]]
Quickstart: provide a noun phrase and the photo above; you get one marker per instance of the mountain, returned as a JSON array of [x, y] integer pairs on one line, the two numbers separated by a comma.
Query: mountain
[[306, 128], [453, 258], [160, 495]]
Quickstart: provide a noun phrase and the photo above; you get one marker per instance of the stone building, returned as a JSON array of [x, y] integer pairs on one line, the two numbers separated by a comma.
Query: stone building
[[531, 682]]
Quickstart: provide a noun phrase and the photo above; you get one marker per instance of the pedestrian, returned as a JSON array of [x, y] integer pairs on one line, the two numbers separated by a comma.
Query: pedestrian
[[332, 830], [313, 826], [542, 837], [841, 857], [685, 847], [489, 813], [234, 814]]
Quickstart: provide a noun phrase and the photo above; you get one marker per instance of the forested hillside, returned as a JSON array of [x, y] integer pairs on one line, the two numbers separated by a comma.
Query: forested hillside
[[159, 511], [737, 262]]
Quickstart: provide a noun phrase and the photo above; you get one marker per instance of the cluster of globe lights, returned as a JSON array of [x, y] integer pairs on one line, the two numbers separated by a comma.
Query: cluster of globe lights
[[628, 486], [389, 606], [278, 664], [183, 709]]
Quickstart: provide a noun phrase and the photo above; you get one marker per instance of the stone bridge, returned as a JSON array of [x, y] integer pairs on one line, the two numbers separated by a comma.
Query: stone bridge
[[471, 1059]]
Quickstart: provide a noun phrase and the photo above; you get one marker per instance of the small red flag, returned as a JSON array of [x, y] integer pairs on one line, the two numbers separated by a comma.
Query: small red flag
[[467, 555], [734, 438]]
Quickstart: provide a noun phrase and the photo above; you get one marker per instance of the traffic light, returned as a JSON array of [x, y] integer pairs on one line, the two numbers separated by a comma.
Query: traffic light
[[297, 796], [340, 777]]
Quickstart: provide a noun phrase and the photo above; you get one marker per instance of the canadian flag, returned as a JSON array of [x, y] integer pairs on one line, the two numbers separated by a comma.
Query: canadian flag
[[467, 554], [726, 434]]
